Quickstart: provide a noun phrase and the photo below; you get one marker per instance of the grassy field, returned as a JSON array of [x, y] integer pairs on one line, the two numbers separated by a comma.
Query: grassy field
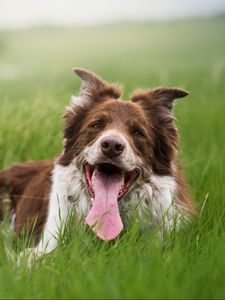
[[36, 82]]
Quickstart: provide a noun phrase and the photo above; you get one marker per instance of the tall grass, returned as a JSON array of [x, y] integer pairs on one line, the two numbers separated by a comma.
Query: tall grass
[[36, 84]]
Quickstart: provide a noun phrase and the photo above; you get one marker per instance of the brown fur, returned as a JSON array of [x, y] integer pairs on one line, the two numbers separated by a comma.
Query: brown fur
[[147, 121], [126, 117], [28, 185]]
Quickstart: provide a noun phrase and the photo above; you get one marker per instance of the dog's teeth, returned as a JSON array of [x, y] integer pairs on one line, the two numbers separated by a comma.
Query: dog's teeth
[[94, 174]]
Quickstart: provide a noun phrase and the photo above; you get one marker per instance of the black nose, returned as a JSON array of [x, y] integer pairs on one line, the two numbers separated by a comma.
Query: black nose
[[112, 146]]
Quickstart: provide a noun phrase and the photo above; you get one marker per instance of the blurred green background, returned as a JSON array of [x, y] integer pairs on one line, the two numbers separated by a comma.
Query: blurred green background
[[36, 82]]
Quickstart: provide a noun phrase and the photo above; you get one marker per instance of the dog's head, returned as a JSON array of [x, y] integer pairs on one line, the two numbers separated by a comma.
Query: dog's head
[[118, 144]]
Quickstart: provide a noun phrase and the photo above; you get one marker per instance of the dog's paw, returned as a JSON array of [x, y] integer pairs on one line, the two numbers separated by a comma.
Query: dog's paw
[[28, 257]]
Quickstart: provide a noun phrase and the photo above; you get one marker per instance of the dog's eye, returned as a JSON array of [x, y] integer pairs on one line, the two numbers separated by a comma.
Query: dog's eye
[[96, 125], [138, 132]]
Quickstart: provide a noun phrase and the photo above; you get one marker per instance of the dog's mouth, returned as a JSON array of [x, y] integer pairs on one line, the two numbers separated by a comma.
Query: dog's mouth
[[107, 184], [110, 171]]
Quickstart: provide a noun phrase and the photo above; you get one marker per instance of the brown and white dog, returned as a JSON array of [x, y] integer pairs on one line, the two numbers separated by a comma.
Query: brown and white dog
[[118, 157]]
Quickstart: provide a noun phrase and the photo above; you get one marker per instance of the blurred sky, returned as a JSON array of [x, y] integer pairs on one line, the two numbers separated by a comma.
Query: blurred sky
[[22, 13]]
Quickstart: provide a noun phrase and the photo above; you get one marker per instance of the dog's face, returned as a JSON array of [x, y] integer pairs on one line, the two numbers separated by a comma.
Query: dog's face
[[118, 144]]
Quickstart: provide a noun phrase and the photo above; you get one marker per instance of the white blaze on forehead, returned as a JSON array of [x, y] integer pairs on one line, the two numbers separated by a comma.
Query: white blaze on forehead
[[113, 132]]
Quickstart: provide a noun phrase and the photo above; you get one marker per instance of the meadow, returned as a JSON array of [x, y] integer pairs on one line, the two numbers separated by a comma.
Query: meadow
[[36, 82]]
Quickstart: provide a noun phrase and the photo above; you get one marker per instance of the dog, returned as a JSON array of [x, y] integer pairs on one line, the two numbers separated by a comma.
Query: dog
[[118, 157]]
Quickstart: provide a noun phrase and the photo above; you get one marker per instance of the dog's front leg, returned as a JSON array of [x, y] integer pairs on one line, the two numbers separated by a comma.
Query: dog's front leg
[[59, 208]]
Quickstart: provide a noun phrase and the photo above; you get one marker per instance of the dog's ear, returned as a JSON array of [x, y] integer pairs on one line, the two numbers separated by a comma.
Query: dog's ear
[[91, 82], [157, 104], [160, 96], [93, 88]]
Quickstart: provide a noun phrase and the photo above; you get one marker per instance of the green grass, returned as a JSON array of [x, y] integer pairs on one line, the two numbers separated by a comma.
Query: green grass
[[190, 54]]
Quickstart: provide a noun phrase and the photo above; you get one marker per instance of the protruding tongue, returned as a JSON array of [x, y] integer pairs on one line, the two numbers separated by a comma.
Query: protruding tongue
[[104, 217]]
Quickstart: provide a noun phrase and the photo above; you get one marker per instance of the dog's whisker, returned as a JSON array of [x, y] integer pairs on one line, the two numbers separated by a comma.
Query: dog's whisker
[[118, 157]]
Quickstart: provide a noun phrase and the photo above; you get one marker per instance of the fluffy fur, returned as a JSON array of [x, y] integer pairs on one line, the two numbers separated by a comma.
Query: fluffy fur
[[46, 191]]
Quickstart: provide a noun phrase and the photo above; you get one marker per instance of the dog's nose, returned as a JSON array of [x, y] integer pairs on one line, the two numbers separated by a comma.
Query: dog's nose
[[112, 146]]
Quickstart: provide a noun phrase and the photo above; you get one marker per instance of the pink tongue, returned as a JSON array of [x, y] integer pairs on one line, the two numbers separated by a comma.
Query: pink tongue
[[104, 217]]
